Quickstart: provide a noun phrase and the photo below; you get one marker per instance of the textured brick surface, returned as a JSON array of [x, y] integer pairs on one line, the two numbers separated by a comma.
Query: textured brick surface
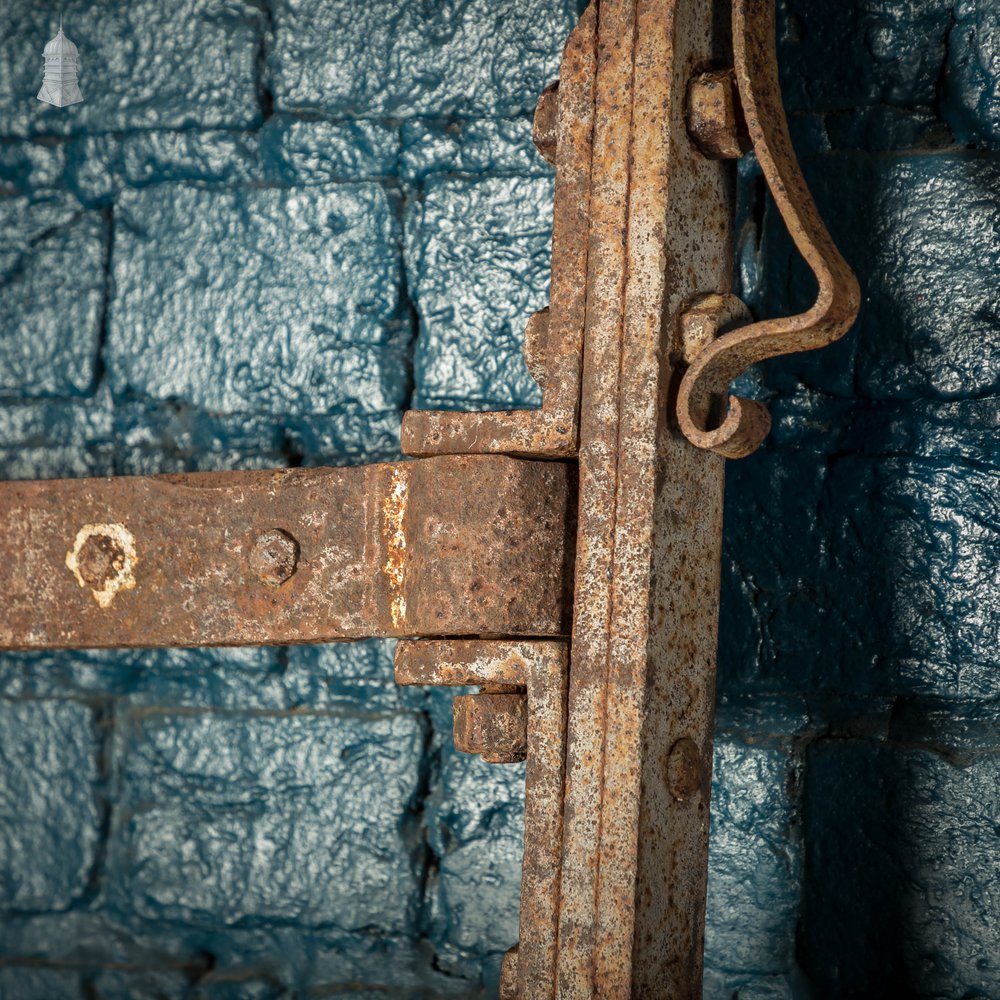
[[478, 256], [188, 64], [229, 819], [923, 233], [49, 816], [53, 266], [462, 57], [230, 301], [268, 229], [972, 86], [905, 882], [476, 829], [755, 862]]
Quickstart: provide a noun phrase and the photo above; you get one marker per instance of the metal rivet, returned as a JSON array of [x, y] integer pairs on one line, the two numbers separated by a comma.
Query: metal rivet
[[493, 725], [274, 557], [684, 769]]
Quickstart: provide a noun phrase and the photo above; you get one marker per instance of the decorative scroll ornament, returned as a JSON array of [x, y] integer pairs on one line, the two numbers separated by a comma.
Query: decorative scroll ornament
[[705, 385], [62, 62]]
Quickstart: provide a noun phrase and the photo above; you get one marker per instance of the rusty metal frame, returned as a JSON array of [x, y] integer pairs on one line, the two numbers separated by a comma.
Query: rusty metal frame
[[293, 555], [564, 560]]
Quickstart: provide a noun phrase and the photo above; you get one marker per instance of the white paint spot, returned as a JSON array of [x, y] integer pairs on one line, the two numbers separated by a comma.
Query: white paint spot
[[121, 566], [393, 513]]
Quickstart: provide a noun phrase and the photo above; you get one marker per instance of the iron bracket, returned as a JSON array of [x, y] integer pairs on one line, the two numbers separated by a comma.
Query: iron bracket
[[577, 544]]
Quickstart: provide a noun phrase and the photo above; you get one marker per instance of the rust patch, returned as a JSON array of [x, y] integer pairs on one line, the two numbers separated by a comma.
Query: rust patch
[[684, 769], [426, 532], [102, 559]]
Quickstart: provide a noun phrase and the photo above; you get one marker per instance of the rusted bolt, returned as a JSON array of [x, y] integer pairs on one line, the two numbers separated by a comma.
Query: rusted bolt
[[495, 726], [714, 116], [684, 769], [708, 317], [545, 128], [274, 557]]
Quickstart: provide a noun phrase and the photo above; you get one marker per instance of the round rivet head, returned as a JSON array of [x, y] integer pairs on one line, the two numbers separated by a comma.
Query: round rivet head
[[684, 770], [100, 559], [274, 557]]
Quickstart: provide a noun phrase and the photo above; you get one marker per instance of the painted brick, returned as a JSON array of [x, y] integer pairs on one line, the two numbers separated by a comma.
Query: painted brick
[[971, 99], [896, 52], [345, 438], [903, 884], [22, 982], [872, 573], [479, 146], [468, 58], [49, 818], [476, 829], [755, 862], [260, 300], [30, 166], [142, 65], [52, 293], [936, 543], [44, 463], [167, 960], [319, 152], [355, 675], [477, 261], [119, 984], [800, 604], [230, 818], [878, 129], [924, 239], [218, 678]]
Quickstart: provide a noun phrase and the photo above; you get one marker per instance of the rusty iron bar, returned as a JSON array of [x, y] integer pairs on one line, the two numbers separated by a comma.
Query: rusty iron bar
[[443, 546], [540, 668], [642, 678]]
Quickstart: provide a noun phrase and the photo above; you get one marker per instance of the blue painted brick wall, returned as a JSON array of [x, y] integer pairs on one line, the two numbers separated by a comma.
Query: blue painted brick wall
[[270, 228]]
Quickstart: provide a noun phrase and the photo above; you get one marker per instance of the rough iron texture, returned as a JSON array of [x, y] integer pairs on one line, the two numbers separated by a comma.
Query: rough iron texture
[[290, 555]]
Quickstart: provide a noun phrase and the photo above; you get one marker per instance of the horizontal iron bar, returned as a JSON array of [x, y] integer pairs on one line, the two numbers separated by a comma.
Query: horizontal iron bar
[[453, 545]]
